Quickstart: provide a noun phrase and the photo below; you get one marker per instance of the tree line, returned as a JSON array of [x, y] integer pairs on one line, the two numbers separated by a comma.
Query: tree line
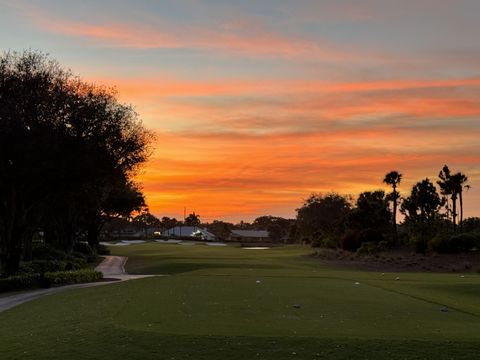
[[68, 153], [430, 217]]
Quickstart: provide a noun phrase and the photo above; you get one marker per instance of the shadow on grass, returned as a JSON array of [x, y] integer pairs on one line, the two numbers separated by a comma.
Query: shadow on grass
[[172, 268], [112, 345]]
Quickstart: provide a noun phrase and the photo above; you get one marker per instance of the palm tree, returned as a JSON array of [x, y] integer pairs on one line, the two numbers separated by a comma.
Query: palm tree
[[446, 189], [453, 184], [459, 181], [393, 179]]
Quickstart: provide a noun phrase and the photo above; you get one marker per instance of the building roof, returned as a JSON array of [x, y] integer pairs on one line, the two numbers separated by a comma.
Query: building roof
[[250, 233]]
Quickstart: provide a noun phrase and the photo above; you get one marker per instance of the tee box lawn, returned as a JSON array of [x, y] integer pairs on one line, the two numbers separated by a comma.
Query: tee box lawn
[[232, 303]]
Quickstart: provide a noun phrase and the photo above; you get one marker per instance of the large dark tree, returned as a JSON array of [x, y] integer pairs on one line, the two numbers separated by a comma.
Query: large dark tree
[[371, 212], [322, 218], [221, 229], [278, 227], [67, 149], [422, 212], [452, 185]]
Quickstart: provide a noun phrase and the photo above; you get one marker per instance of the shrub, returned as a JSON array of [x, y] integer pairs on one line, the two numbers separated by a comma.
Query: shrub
[[354, 239], [19, 282], [444, 243], [367, 248], [33, 280], [43, 266], [350, 241], [72, 277]]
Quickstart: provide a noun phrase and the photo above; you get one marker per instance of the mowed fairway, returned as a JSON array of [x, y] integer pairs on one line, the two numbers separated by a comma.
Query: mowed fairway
[[232, 303]]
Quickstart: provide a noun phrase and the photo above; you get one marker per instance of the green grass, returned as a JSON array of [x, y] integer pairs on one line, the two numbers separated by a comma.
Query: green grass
[[211, 307]]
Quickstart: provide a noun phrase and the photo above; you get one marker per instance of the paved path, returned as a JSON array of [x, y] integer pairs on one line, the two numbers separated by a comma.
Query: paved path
[[113, 267]]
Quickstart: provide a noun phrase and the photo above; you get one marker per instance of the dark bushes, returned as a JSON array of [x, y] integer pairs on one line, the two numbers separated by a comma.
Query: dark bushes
[[445, 243], [19, 282], [353, 240], [29, 281], [71, 277], [43, 266]]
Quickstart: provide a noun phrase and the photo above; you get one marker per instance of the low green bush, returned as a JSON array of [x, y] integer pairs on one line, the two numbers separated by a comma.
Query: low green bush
[[71, 277], [19, 282], [29, 281], [43, 266], [367, 248]]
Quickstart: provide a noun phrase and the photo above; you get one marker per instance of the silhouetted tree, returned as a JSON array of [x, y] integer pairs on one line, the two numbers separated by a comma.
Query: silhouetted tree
[[371, 211], [393, 178], [146, 221], [422, 212], [192, 220], [453, 185], [322, 218], [275, 232], [447, 188], [220, 229], [64, 146], [459, 181], [471, 224], [280, 226], [168, 223]]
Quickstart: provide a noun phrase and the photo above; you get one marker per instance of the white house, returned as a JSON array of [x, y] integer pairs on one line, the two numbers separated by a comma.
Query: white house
[[193, 231]]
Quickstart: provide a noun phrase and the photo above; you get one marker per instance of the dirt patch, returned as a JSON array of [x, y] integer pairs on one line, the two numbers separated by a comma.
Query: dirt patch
[[400, 261]]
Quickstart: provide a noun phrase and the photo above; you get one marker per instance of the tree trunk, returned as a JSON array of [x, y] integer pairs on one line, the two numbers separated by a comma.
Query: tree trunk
[[92, 235], [395, 233], [454, 212], [460, 198], [11, 235], [93, 230]]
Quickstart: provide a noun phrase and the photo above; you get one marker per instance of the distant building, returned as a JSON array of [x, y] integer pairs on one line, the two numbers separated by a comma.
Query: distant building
[[128, 232], [249, 235], [193, 231]]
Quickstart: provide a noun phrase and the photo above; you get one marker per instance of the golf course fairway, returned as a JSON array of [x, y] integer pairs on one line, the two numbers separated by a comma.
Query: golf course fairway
[[233, 303]]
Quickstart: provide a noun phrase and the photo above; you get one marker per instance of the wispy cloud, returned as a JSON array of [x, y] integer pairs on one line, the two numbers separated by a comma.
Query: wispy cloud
[[252, 40]]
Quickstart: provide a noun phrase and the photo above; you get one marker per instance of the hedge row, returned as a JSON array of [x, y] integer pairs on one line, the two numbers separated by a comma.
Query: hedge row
[[29, 281], [43, 266], [72, 277]]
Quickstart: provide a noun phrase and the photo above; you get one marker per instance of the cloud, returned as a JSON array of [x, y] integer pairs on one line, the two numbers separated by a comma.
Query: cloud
[[256, 41], [240, 176], [294, 106]]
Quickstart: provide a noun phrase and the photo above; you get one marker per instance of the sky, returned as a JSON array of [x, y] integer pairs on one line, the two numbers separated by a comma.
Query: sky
[[258, 103]]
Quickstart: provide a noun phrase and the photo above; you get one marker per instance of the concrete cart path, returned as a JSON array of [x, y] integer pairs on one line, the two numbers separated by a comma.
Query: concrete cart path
[[112, 267]]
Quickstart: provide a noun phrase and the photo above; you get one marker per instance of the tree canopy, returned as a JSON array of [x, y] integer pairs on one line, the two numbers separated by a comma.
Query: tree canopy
[[68, 153]]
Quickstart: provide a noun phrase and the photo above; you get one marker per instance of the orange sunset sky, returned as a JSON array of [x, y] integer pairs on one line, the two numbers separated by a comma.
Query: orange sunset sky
[[256, 104]]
